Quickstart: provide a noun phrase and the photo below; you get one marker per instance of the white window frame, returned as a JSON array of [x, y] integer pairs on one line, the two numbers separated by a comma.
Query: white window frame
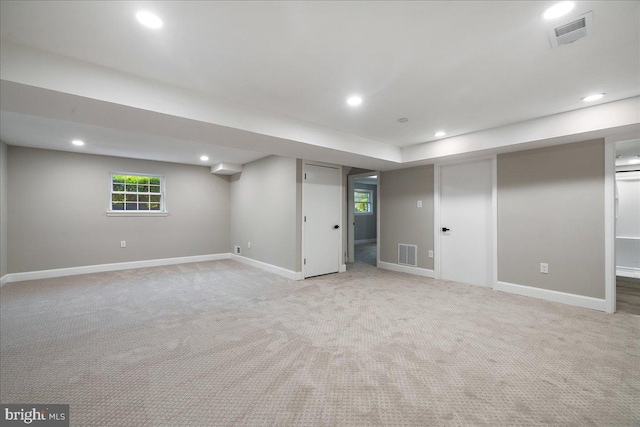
[[163, 206], [363, 190]]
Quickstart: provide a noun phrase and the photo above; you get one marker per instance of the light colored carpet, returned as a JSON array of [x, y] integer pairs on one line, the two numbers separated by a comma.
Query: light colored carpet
[[220, 343], [367, 253]]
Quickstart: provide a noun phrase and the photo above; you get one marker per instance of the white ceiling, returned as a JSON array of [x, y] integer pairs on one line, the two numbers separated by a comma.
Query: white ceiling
[[459, 66], [627, 150], [39, 132]]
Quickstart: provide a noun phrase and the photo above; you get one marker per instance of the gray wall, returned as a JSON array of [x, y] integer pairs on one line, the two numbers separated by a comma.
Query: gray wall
[[366, 225], [58, 202], [400, 220], [265, 211], [551, 209], [4, 190]]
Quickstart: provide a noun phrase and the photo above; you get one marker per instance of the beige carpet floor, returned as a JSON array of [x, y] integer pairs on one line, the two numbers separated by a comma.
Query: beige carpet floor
[[366, 253], [220, 343]]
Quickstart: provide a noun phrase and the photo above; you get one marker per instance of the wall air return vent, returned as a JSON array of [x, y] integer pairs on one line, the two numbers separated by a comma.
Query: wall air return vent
[[408, 254], [571, 30]]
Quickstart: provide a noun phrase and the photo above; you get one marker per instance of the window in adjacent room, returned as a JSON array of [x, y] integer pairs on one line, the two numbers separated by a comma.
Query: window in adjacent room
[[363, 200], [136, 193]]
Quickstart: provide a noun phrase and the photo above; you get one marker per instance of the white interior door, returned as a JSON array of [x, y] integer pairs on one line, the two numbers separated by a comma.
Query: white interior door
[[466, 222], [322, 191]]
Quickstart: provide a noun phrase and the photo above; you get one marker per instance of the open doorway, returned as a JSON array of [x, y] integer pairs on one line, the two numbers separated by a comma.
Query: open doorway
[[363, 218], [627, 226]]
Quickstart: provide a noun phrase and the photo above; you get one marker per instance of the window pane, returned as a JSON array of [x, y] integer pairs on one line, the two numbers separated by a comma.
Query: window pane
[[135, 192], [362, 207], [361, 196]]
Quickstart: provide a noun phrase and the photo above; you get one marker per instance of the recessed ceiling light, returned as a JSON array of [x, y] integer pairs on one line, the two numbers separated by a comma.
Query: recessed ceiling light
[[558, 10], [149, 20], [204, 158], [440, 133], [403, 120], [354, 100], [635, 161], [77, 142], [593, 97]]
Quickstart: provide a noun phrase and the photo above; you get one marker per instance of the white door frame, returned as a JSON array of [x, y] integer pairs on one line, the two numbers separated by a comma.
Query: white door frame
[[341, 267], [610, 219], [437, 233], [351, 216]]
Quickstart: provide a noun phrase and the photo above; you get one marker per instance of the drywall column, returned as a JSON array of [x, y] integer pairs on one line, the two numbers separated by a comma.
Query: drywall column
[[264, 201], [551, 210], [401, 221]]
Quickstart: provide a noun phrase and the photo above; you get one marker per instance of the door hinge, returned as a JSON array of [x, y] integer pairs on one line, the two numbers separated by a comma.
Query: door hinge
[[305, 218], [305, 261], [305, 176]]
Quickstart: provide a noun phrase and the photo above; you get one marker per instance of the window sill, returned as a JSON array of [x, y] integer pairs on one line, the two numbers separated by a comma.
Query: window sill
[[137, 213], [362, 213]]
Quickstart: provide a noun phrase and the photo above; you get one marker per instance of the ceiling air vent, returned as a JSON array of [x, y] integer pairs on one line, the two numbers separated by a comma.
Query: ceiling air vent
[[572, 30]]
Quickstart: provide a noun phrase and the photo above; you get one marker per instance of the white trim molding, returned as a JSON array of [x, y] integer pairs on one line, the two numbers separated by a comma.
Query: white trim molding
[[631, 272], [610, 224], [4, 279], [343, 268], [362, 241], [555, 296], [99, 268], [289, 274], [416, 271]]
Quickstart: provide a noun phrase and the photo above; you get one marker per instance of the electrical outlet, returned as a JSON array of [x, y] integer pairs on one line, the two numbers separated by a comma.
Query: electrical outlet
[[544, 268], [123, 243], [430, 254], [236, 250], [419, 204], [249, 245]]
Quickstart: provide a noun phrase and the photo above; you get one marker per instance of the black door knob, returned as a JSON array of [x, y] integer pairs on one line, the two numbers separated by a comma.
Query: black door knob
[[444, 229], [335, 227]]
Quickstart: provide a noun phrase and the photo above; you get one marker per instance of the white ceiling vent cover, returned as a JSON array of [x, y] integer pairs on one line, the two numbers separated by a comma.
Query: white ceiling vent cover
[[571, 30], [408, 254]]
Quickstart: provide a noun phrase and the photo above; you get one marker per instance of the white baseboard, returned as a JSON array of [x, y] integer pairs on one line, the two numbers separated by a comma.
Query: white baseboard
[[628, 272], [4, 279], [343, 268], [293, 275], [87, 269], [407, 269], [555, 296], [360, 242]]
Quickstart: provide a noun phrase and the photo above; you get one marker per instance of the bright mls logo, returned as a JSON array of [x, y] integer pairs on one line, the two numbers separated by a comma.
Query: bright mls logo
[[35, 415]]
